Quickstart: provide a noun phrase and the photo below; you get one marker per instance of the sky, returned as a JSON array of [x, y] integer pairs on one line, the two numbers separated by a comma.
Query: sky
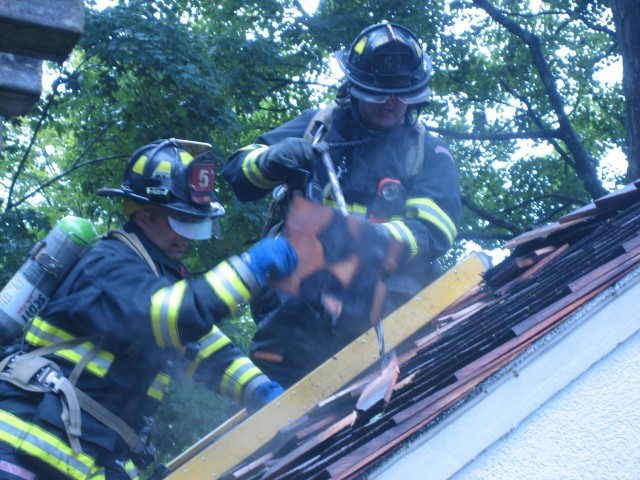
[[616, 160]]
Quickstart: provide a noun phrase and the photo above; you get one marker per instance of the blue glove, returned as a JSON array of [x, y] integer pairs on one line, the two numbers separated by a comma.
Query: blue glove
[[265, 393], [271, 258]]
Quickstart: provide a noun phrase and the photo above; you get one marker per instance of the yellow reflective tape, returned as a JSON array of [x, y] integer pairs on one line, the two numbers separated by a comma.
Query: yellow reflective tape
[[131, 469], [230, 376], [175, 302], [209, 344], [99, 366], [244, 379], [159, 387], [401, 232], [186, 157], [359, 47], [253, 173], [39, 443], [428, 210], [138, 167], [225, 281], [165, 310], [156, 310], [351, 207], [217, 283], [42, 333], [164, 167]]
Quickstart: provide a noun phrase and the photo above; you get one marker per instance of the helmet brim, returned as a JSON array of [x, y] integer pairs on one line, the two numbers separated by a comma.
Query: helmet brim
[[211, 210]]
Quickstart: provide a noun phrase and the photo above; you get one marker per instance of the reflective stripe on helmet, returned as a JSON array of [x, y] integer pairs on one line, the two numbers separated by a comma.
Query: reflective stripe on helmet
[[387, 59]]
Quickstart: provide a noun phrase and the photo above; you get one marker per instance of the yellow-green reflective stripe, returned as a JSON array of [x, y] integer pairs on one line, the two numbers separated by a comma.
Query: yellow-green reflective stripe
[[401, 232], [228, 286], [209, 344], [237, 376], [160, 386], [131, 470], [138, 167], [165, 307], [42, 333], [186, 157], [351, 207], [428, 210], [253, 173], [99, 365], [37, 442]]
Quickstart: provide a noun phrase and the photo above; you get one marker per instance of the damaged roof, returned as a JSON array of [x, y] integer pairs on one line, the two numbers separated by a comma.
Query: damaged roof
[[481, 322]]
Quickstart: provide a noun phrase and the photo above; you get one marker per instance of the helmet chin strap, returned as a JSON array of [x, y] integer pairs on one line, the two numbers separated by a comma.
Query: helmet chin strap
[[412, 114]]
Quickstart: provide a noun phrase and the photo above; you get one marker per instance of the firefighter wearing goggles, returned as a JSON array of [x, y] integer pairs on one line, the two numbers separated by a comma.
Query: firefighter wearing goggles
[[377, 147], [127, 319]]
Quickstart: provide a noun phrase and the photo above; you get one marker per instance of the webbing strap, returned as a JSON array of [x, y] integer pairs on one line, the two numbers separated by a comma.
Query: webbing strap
[[21, 369], [134, 242], [108, 418]]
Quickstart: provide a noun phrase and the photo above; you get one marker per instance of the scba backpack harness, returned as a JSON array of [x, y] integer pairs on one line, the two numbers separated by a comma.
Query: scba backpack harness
[[323, 118], [32, 371]]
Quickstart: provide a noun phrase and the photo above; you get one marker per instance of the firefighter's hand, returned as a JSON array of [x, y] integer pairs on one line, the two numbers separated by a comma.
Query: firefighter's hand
[[271, 258], [265, 394], [287, 158]]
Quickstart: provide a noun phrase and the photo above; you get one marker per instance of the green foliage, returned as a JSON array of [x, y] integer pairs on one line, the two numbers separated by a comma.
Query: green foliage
[[517, 94]]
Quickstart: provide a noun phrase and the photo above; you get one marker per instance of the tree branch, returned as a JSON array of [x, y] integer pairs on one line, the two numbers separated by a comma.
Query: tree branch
[[52, 180], [485, 214], [540, 135], [584, 162]]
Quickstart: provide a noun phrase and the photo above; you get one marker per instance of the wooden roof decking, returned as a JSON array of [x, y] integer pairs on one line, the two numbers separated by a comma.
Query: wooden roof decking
[[551, 273]]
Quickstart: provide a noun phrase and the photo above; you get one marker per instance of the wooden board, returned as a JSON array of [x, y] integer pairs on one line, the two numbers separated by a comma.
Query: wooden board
[[237, 444]]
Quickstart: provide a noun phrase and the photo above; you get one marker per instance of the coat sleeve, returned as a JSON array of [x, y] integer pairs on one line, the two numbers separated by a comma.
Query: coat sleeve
[[432, 208], [114, 295], [241, 168]]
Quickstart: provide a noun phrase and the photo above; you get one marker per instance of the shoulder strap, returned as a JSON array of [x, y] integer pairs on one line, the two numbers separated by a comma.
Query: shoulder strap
[[322, 117], [33, 372], [414, 154], [414, 158], [134, 242]]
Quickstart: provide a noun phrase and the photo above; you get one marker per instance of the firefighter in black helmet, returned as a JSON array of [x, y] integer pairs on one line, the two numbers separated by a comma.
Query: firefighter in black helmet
[[386, 59], [391, 172], [127, 319]]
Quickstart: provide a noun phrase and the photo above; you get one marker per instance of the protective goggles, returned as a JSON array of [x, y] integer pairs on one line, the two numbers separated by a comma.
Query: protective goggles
[[406, 98]]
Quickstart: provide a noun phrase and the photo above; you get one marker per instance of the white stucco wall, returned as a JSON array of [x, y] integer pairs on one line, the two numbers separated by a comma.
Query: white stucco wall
[[588, 431]]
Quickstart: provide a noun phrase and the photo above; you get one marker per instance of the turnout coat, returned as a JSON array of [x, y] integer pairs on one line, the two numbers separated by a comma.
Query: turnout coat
[[294, 335], [130, 330]]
